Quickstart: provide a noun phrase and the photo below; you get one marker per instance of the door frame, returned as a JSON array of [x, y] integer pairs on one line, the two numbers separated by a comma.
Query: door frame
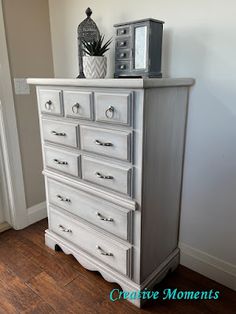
[[17, 210]]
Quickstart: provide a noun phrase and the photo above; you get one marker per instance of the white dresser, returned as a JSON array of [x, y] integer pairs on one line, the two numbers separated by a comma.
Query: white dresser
[[113, 154]]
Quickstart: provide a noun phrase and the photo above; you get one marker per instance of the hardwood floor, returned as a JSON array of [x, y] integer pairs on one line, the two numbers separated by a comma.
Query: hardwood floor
[[35, 279]]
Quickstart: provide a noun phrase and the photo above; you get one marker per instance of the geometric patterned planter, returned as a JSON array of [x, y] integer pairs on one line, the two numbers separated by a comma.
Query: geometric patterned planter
[[94, 67]]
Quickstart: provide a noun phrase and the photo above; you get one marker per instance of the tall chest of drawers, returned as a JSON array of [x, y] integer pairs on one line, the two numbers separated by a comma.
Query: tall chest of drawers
[[113, 155]]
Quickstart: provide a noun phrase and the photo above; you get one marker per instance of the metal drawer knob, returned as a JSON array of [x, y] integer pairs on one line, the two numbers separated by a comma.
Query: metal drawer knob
[[109, 113], [123, 43], [101, 176], [122, 55], [75, 108], [123, 31], [102, 252], [100, 216], [63, 199], [58, 133], [122, 66], [59, 162], [102, 143], [63, 229], [48, 105]]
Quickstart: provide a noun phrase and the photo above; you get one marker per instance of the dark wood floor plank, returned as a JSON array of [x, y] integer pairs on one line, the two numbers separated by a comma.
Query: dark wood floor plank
[[16, 297], [60, 299], [36, 279]]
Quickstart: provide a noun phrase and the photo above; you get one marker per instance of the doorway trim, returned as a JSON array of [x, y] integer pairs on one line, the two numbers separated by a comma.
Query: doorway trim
[[9, 140]]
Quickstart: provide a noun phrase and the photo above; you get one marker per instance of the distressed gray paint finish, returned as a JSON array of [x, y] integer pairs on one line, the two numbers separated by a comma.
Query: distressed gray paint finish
[[145, 195]]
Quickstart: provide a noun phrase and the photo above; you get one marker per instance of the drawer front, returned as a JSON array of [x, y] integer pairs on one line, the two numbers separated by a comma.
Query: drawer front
[[78, 105], [113, 108], [110, 143], [51, 101], [60, 133], [123, 31], [122, 66], [62, 161], [122, 54], [117, 178], [99, 212], [123, 42], [114, 254]]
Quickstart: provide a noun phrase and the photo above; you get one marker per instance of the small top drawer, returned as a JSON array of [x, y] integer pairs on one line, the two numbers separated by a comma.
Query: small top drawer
[[121, 31], [113, 108], [78, 105], [50, 101], [59, 132]]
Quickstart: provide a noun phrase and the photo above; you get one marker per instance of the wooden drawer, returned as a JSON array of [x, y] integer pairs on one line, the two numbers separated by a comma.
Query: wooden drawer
[[62, 161], [110, 143], [50, 101], [78, 105], [108, 216], [117, 178], [123, 42], [122, 66], [112, 253], [60, 132], [123, 31], [113, 108], [122, 54]]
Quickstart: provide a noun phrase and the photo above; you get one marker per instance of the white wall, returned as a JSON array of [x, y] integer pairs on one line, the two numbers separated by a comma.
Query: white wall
[[199, 42]]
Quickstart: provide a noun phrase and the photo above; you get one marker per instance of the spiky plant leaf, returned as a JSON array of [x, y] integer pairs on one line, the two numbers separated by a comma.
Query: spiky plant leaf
[[96, 47]]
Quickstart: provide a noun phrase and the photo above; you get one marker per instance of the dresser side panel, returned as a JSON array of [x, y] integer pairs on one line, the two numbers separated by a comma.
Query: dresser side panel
[[165, 112]]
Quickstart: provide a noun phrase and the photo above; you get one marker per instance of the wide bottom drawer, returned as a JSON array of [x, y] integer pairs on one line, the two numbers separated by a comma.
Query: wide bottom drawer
[[99, 212], [112, 253]]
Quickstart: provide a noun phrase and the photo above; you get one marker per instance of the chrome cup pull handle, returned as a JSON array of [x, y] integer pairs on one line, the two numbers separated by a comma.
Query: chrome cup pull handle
[[100, 216], [58, 133], [63, 229], [101, 176], [59, 162], [109, 113], [75, 108], [102, 252], [48, 105], [63, 199], [102, 143]]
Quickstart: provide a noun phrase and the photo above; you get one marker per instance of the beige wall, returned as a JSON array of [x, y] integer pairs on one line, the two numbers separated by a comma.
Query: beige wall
[[199, 42], [30, 55]]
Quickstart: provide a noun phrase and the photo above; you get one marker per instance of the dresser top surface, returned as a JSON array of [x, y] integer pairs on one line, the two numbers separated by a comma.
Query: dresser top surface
[[134, 83]]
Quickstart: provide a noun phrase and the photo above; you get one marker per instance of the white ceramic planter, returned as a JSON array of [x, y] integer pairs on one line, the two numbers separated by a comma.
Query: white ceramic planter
[[94, 67]]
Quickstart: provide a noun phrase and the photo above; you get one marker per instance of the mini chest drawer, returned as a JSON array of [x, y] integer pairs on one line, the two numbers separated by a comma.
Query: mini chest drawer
[[78, 104], [114, 177], [123, 54], [110, 143], [107, 216], [60, 133], [112, 253], [62, 161], [113, 108], [50, 101], [121, 31], [123, 42]]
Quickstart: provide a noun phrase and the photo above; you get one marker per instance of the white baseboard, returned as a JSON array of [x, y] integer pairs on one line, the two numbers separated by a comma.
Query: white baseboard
[[37, 212], [208, 265], [4, 226]]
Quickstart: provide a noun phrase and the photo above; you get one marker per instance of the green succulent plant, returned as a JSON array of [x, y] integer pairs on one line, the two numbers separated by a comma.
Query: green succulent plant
[[96, 47]]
